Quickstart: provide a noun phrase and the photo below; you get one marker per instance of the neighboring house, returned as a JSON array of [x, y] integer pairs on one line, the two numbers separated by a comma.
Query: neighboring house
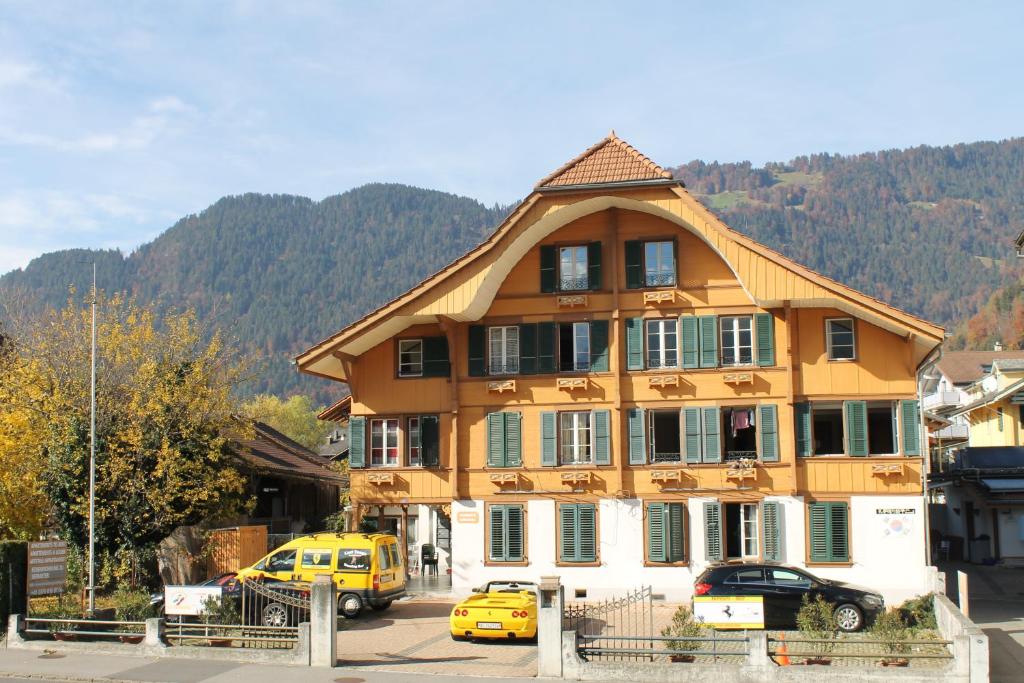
[[618, 388], [993, 405], [295, 490], [983, 515], [335, 445]]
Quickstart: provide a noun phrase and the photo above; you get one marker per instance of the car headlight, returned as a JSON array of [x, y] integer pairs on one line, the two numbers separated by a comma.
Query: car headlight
[[873, 600]]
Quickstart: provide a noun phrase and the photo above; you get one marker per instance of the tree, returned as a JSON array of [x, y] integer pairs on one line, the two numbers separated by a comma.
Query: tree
[[295, 418], [164, 420]]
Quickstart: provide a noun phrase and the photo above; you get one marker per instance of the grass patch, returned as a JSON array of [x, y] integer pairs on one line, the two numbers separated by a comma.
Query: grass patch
[[725, 200], [798, 178]]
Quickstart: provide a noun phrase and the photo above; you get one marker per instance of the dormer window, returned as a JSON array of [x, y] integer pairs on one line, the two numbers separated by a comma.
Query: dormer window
[[650, 264], [572, 269]]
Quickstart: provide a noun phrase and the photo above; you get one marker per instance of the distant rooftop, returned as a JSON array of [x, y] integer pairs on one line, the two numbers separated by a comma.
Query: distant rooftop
[[965, 367]]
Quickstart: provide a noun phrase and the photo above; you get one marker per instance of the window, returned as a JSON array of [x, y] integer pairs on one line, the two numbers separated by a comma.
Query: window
[[572, 268], [384, 443], [739, 425], [829, 532], [740, 530], [412, 439], [659, 264], [737, 341], [283, 561], [788, 578], [999, 418], [506, 533], [751, 575], [577, 525], [410, 357], [396, 559], [316, 559], [839, 339], [881, 428], [383, 557], [575, 438], [662, 344], [504, 350], [574, 347], [666, 532], [828, 429], [665, 436], [354, 560]]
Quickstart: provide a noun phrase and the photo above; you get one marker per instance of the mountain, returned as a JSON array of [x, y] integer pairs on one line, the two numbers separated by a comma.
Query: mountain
[[929, 229]]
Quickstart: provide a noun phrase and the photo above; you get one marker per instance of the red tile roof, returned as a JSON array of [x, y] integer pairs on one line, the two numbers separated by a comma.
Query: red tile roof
[[612, 160], [964, 367]]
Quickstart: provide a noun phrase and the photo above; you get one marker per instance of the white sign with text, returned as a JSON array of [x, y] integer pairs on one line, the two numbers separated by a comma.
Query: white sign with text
[[188, 601]]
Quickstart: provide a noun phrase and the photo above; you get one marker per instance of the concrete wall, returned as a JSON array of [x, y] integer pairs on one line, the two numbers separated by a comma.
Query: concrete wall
[[885, 532]]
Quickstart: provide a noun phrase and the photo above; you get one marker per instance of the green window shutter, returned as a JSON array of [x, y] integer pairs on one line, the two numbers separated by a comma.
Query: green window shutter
[[513, 440], [765, 324], [802, 418], [435, 357], [634, 343], [712, 440], [708, 341], [499, 531], [768, 425], [839, 533], [357, 441], [545, 348], [601, 419], [856, 427], [772, 532], [692, 434], [634, 264], [674, 532], [656, 551], [587, 534], [569, 550], [690, 338], [599, 346], [594, 265], [713, 531], [910, 427], [528, 349], [548, 439], [430, 441], [477, 350], [819, 522], [548, 269], [514, 533], [637, 444], [495, 439]]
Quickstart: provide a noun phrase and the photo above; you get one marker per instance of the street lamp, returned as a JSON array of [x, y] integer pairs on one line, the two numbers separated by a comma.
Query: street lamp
[[92, 455]]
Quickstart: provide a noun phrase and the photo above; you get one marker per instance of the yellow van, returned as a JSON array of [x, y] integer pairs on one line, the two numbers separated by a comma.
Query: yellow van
[[367, 568]]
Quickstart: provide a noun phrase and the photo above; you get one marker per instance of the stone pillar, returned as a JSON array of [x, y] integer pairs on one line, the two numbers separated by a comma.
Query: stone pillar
[[549, 627], [323, 619], [758, 654], [15, 627], [156, 630]]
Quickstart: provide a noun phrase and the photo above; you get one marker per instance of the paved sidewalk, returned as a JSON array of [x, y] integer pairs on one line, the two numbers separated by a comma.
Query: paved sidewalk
[[59, 666]]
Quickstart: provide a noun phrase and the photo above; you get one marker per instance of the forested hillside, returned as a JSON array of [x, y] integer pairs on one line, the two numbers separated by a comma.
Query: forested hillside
[[929, 229]]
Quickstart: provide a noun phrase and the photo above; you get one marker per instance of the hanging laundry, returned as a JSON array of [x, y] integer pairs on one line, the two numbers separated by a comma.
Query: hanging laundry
[[740, 420]]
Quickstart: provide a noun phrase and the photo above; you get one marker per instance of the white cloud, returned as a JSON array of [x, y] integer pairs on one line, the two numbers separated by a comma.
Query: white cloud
[[12, 257], [15, 74]]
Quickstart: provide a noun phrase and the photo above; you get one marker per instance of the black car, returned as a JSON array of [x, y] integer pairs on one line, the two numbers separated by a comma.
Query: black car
[[784, 588]]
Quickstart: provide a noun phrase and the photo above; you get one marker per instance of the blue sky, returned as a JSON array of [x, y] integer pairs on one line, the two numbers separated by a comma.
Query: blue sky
[[116, 119]]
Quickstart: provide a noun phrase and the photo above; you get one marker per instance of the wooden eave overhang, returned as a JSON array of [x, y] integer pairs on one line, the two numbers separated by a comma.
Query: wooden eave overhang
[[464, 290]]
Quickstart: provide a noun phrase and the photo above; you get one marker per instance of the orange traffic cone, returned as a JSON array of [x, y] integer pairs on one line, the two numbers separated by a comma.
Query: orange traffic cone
[[782, 654]]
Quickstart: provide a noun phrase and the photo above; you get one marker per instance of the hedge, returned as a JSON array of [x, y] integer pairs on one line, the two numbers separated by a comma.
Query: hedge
[[13, 574]]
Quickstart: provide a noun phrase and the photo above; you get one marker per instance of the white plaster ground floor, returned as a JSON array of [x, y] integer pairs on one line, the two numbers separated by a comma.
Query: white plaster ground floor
[[885, 544]]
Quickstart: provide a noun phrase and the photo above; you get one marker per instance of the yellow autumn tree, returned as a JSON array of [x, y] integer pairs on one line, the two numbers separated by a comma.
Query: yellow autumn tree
[[294, 417], [164, 406]]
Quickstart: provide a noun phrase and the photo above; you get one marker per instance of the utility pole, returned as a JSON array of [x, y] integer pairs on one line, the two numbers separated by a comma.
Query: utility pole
[[92, 458]]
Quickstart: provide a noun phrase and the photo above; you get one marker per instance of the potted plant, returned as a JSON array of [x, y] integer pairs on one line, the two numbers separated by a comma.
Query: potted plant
[[685, 628], [816, 621], [60, 610], [222, 612], [132, 605], [893, 632]]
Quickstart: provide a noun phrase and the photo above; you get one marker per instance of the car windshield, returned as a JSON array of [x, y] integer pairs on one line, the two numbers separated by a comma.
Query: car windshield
[[282, 561]]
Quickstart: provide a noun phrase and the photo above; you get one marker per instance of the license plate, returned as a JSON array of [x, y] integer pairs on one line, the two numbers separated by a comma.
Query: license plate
[[488, 624]]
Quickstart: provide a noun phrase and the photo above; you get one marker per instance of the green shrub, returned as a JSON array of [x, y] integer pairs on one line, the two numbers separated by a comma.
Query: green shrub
[[132, 604], [224, 611], [13, 573], [919, 613], [892, 631], [817, 620], [684, 625]]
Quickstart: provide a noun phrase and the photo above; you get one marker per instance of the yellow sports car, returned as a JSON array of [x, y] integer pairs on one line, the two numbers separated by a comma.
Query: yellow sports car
[[500, 609]]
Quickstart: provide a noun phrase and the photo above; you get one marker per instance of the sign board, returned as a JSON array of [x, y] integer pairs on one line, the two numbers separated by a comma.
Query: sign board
[[187, 601], [896, 522], [468, 517], [725, 611], [47, 567]]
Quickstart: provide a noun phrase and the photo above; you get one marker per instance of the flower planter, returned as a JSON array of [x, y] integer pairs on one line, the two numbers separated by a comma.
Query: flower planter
[[686, 659], [818, 661], [895, 661], [220, 642], [131, 640], [63, 636]]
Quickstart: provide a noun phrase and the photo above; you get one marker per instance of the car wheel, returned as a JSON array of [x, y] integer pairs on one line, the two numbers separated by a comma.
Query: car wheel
[[382, 606], [275, 614], [350, 605], [849, 618], [459, 638]]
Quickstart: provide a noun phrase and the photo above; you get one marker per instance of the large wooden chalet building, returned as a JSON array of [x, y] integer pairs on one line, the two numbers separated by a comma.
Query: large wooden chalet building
[[618, 388]]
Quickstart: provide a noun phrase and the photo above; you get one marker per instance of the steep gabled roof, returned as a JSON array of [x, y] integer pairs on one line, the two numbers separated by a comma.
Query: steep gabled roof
[[965, 367], [271, 451], [612, 160]]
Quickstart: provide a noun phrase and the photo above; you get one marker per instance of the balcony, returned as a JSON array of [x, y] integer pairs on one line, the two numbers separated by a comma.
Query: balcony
[[574, 284], [953, 431], [941, 399]]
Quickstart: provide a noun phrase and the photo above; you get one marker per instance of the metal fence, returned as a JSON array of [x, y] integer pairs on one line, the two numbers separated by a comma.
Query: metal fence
[[63, 628], [260, 616]]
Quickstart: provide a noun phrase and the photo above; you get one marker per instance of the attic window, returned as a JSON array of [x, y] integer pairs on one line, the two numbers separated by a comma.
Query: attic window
[[986, 368]]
